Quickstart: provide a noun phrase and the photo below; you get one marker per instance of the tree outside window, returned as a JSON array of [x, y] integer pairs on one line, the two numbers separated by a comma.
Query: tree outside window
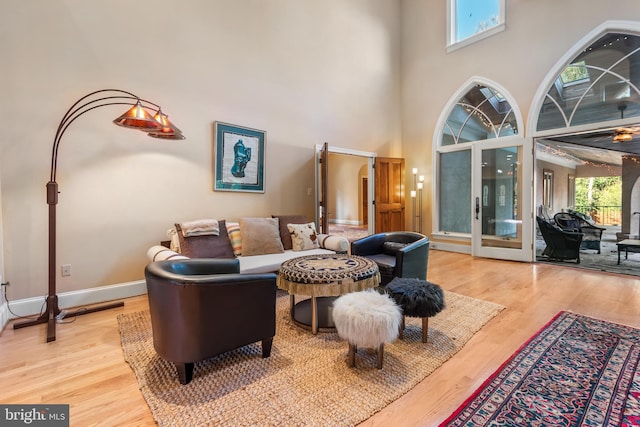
[[471, 20]]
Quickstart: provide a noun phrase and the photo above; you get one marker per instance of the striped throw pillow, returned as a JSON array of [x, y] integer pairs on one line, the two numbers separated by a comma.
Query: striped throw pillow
[[233, 229]]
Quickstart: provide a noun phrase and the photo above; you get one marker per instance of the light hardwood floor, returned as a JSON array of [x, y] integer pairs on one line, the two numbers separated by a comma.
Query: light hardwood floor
[[85, 368]]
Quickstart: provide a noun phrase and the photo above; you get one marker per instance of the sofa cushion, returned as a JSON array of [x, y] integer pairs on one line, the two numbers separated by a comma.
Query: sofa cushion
[[270, 263], [175, 241], [200, 227], [233, 229], [208, 246], [335, 243], [161, 253], [571, 223], [260, 236], [303, 236], [386, 263], [285, 220]]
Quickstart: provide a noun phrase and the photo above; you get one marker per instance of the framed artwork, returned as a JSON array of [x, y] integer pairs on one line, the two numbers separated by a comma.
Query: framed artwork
[[239, 158]]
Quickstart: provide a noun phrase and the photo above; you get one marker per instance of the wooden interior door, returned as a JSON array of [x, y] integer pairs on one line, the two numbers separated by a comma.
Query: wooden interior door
[[365, 201], [389, 194]]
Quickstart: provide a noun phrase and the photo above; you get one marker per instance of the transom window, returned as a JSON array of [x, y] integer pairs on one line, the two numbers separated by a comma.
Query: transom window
[[601, 84], [482, 113], [473, 20]]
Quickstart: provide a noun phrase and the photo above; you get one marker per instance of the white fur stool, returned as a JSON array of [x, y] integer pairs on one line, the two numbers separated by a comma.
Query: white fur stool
[[366, 319]]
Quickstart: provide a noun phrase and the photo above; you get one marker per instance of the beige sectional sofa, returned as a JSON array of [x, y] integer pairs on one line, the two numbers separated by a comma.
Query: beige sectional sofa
[[259, 244]]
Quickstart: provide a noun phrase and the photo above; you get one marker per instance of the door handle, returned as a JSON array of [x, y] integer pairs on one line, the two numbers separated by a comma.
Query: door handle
[[477, 207]]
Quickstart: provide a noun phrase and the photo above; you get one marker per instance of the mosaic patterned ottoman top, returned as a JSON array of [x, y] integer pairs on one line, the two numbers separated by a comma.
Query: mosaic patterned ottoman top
[[327, 275]]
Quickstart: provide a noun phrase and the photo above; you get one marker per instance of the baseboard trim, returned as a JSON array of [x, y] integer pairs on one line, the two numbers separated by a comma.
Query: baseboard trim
[[450, 247], [4, 316], [31, 306], [345, 222]]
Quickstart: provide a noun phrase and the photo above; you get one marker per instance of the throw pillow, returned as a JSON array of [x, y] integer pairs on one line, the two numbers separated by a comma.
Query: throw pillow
[[285, 235], [260, 236], [175, 242], [208, 246], [233, 228], [303, 236]]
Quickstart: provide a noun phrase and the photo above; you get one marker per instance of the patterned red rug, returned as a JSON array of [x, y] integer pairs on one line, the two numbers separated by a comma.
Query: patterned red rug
[[576, 371]]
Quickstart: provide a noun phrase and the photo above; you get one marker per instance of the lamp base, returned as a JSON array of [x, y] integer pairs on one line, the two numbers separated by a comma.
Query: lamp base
[[52, 310]]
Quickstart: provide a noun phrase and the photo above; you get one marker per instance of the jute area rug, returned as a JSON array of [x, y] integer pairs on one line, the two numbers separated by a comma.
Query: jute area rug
[[576, 371], [306, 381]]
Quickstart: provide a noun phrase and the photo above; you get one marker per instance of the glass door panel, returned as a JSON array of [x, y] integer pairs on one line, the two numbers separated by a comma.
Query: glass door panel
[[501, 221], [501, 203]]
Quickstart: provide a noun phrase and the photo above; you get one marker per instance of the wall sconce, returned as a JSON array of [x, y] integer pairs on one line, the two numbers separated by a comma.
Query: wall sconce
[[137, 117]]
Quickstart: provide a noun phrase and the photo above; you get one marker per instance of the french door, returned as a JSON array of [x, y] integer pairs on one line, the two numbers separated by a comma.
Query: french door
[[502, 185]]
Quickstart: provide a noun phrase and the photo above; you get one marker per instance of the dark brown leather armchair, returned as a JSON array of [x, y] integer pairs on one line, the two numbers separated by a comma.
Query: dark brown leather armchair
[[203, 307], [397, 253]]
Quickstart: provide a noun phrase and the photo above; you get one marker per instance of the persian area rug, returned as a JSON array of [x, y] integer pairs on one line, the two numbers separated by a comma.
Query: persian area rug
[[576, 371], [306, 381]]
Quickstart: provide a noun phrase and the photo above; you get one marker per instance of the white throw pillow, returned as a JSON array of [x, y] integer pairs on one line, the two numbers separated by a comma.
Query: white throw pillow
[[303, 236]]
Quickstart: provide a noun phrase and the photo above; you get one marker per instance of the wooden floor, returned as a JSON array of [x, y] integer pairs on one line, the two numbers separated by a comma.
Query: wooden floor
[[85, 368]]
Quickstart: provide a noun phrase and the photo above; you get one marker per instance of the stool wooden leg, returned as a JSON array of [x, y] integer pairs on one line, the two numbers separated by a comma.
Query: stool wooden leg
[[292, 305], [351, 355], [380, 355], [425, 329], [401, 331]]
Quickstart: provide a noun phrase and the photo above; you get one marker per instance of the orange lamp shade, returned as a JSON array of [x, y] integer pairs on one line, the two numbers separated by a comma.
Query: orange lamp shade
[[167, 130], [138, 118]]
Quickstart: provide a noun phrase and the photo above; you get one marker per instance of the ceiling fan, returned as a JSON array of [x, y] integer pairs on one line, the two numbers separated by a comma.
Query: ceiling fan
[[617, 135], [625, 134]]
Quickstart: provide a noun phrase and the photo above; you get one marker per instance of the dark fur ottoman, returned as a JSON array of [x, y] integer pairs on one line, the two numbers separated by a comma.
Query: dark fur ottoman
[[418, 298]]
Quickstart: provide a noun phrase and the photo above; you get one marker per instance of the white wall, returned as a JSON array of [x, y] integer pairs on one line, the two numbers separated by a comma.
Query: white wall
[[4, 312], [304, 71], [537, 35], [345, 188]]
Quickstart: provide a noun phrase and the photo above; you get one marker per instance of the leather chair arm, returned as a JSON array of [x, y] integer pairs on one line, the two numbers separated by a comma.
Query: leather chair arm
[[369, 245], [412, 260], [196, 269]]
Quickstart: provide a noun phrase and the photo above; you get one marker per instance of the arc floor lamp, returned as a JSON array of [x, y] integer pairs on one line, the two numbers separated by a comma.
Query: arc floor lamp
[[144, 116]]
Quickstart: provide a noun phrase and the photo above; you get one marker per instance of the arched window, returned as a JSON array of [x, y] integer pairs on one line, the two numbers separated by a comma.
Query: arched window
[[592, 99], [601, 84], [482, 113]]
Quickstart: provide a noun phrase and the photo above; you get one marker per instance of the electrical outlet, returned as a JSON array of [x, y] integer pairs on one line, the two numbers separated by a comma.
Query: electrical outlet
[[66, 270]]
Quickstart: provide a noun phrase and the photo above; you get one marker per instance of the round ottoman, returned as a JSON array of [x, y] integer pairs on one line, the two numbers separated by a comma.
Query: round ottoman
[[366, 319], [418, 298]]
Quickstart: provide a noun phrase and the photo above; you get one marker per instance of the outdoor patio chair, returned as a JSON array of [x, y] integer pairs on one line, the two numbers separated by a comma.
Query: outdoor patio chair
[[561, 244], [577, 221]]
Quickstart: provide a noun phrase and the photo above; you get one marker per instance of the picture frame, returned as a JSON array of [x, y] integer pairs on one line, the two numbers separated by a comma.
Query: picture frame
[[239, 158]]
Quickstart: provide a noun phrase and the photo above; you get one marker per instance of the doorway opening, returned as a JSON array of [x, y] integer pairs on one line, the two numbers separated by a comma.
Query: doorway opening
[[595, 182], [588, 128], [344, 191], [348, 195]]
